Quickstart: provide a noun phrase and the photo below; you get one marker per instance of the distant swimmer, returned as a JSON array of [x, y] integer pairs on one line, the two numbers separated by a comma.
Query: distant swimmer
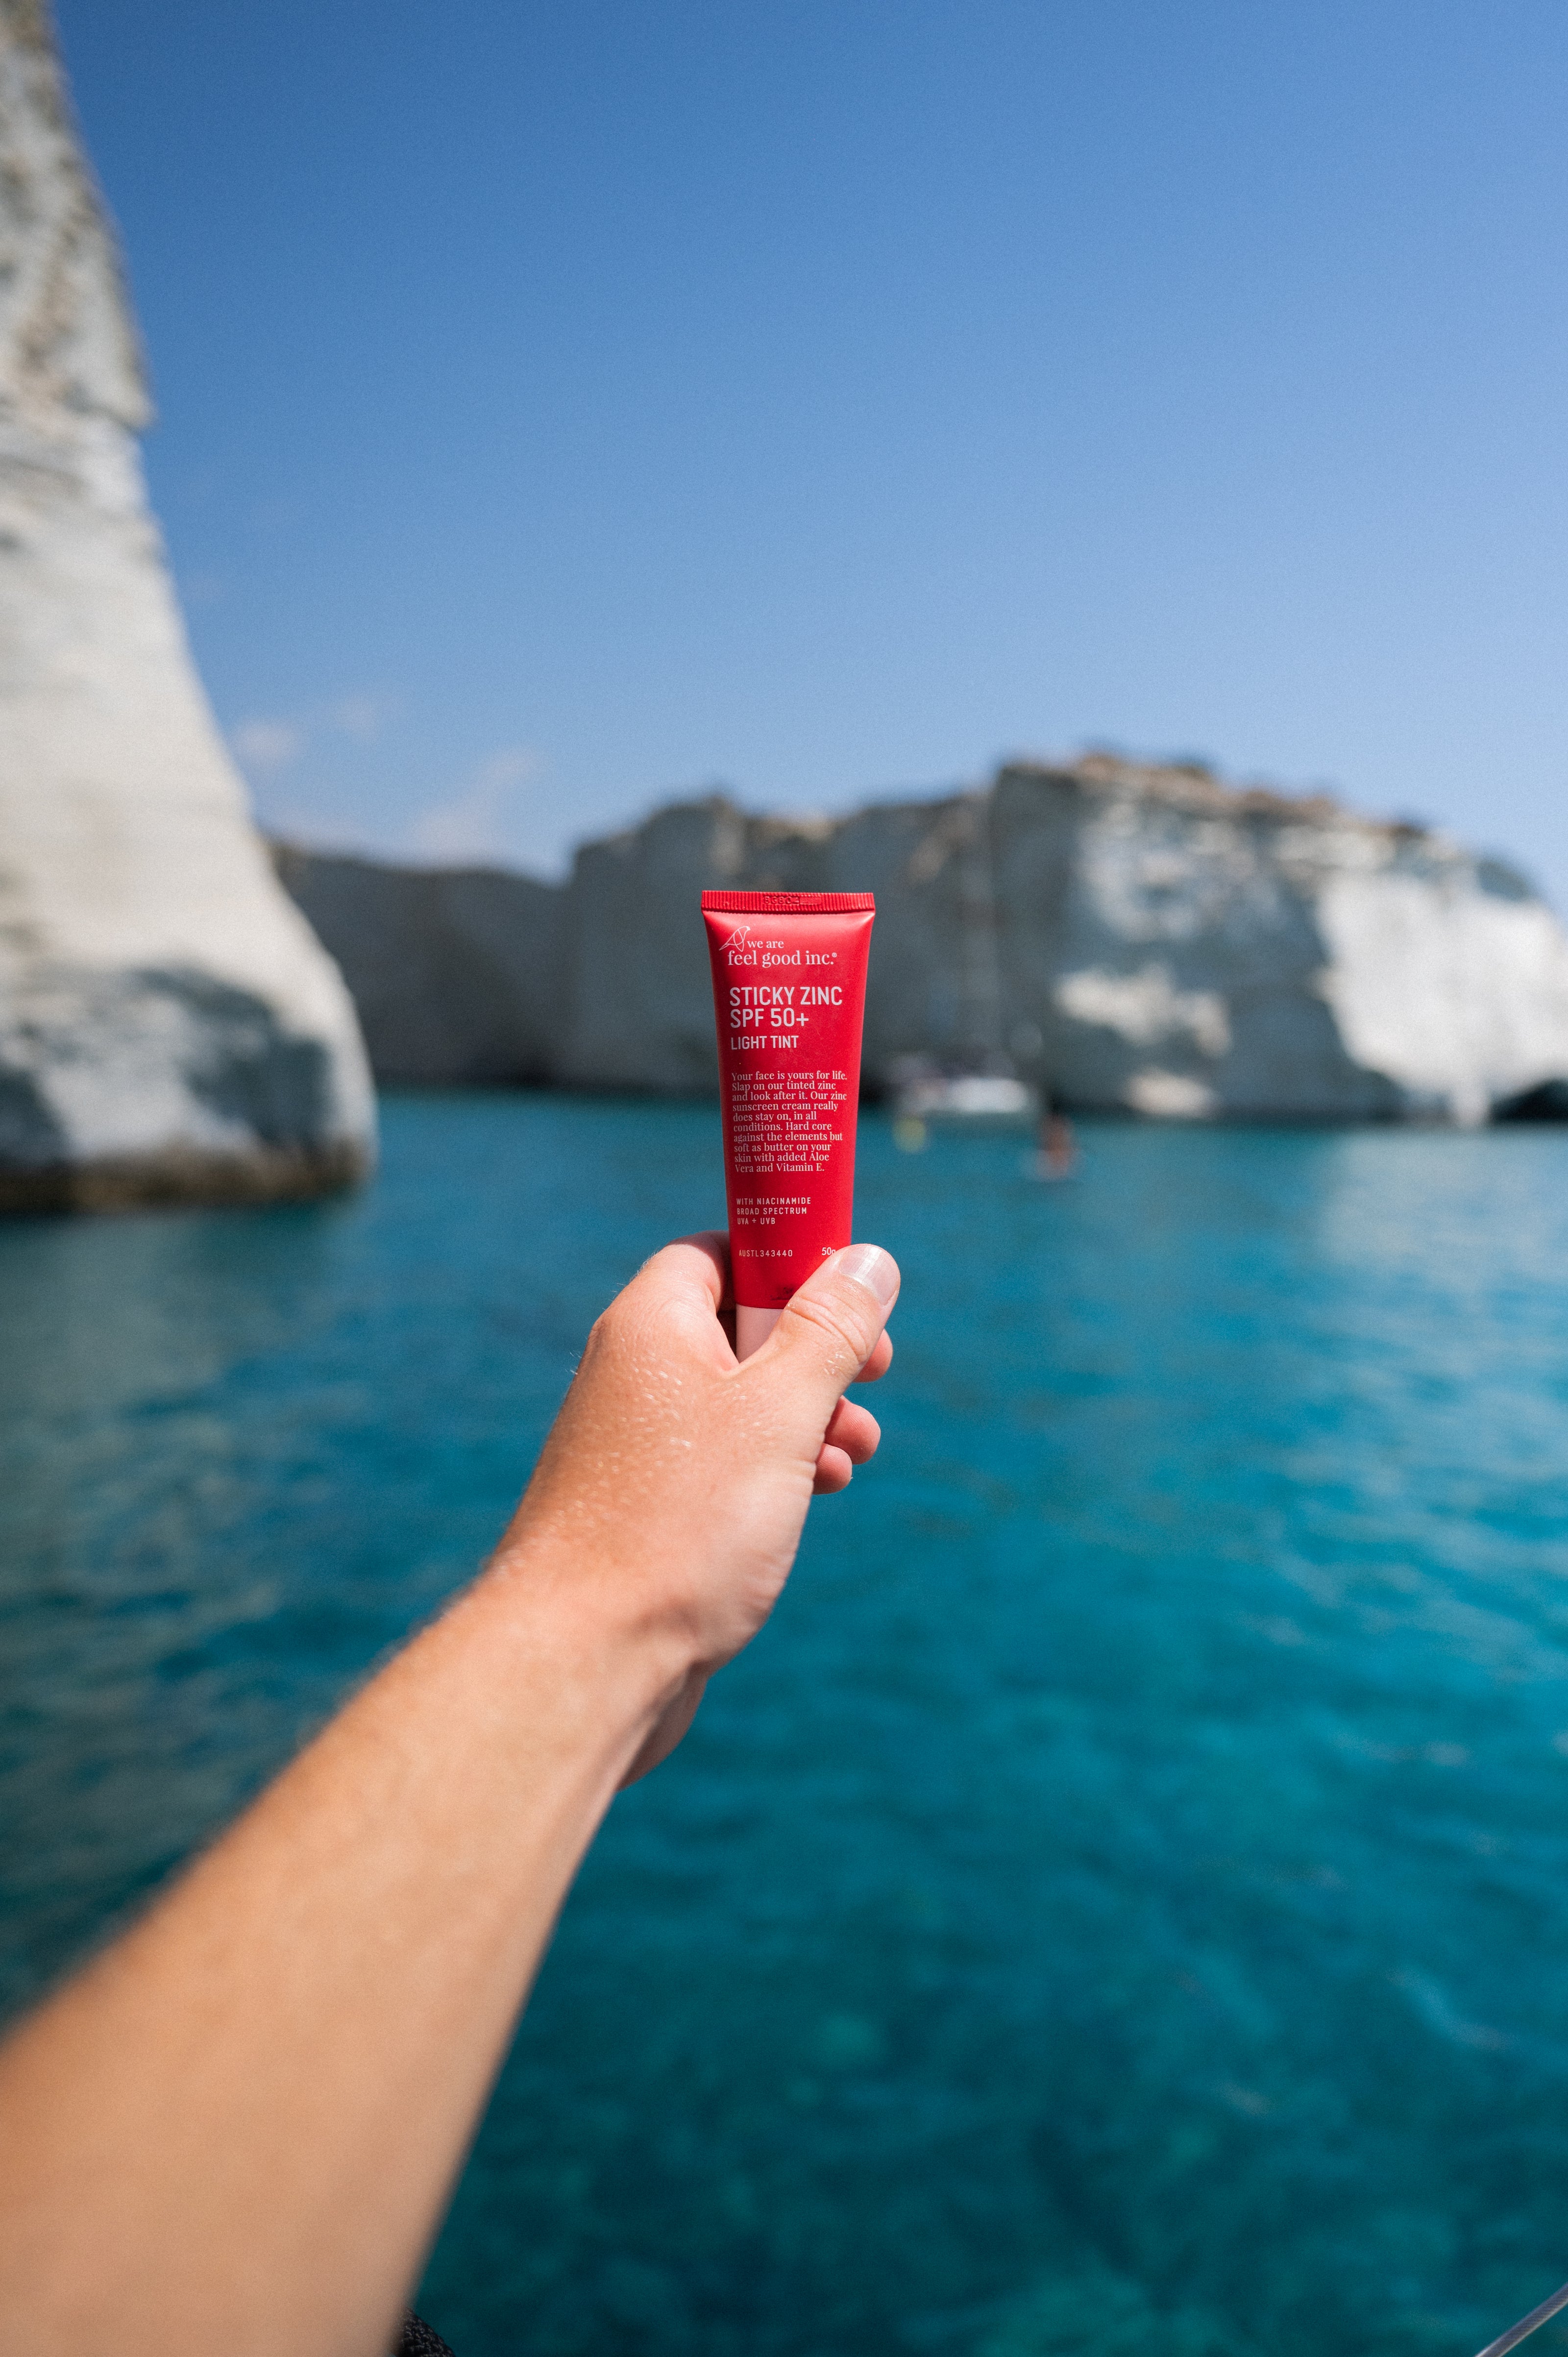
[[1056, 1155]]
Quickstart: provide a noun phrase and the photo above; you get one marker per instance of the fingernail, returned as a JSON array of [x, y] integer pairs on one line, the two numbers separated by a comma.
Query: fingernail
[[871, 1267]]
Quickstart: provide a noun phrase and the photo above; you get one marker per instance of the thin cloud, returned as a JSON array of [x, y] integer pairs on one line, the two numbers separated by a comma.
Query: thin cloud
[[267, 745], [479, 822], [361, 716], [262, 745]]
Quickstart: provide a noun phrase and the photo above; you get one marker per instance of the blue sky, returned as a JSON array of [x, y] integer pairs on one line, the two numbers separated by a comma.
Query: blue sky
[[562, 407]]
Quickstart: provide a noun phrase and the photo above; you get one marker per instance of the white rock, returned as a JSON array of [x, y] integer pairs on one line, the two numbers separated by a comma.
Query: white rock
[[1131, 938], [169, 1026], [1459, 994], [457, 974], [1186, 950]]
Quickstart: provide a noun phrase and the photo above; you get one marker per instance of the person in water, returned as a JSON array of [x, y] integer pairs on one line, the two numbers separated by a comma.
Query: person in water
[[1056, 1149], [235, 2131]]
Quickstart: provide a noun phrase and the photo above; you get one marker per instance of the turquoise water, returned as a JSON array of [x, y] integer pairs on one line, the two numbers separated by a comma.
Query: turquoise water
[[1120, 1905]]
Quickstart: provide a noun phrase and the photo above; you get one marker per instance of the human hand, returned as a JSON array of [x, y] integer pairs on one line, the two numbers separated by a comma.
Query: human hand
[[237, 2129], [672, 1490]]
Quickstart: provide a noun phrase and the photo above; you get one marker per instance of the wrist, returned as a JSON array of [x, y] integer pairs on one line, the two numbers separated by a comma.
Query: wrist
[[614, 1661]]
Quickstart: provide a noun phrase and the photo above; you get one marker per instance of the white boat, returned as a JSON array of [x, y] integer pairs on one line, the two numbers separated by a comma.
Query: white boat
[[996, 1099]]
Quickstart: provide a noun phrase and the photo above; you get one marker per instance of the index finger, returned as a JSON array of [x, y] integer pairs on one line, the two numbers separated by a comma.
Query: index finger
[[695, 1267]]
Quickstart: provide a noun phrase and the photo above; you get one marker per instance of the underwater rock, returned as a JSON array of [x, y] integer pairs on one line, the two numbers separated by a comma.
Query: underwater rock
[[170, 1029]]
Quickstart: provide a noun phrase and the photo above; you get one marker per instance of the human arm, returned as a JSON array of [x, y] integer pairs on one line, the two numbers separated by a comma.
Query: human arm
[[237, 2129]]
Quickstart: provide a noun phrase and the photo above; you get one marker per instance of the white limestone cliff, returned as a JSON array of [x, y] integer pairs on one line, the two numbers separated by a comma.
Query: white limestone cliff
[[457, 974], [169, 1026], [1183, 949], [1137, 939]]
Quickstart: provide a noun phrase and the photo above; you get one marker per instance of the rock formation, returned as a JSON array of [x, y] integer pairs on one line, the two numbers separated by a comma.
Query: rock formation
[[456, 973], [169, 1027], [1139, 939], [1185, 950]]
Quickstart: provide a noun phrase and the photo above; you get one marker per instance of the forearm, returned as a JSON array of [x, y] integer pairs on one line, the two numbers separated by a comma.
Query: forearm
[[276, 2074], [235, 2131]]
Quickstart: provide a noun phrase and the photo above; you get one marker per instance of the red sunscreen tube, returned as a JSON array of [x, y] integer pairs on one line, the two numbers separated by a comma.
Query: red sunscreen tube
[[789, 997]]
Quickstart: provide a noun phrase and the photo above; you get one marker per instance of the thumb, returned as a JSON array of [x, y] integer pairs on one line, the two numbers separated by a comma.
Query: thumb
[[828, 1331]]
